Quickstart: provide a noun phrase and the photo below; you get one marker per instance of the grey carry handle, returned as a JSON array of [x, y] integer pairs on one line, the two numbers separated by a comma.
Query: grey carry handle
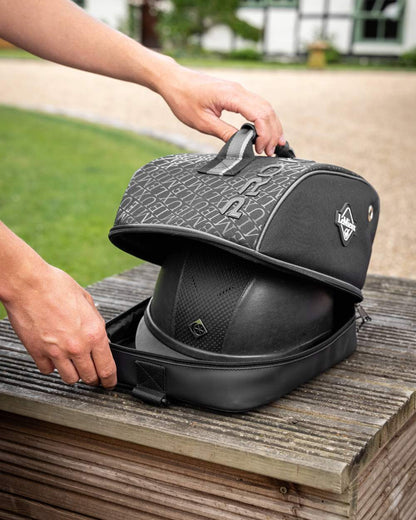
[[234, 155], [237, 153]]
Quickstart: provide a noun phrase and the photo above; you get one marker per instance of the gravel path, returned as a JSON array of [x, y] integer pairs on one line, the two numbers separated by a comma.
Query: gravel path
[[365, 121]]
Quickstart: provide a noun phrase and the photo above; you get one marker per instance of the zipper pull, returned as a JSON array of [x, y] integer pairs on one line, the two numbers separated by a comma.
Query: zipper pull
[[363, 316]]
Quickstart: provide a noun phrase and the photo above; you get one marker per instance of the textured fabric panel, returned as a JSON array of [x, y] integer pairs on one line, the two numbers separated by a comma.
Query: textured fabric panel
[[210, 288], [170, 191], [304, 231]]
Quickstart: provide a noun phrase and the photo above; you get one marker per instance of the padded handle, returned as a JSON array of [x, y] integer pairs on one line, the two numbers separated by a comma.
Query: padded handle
[[241, 143], [237, 153]]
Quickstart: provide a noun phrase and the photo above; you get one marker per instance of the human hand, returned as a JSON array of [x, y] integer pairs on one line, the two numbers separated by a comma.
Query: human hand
[[198, 100], [58, 323]]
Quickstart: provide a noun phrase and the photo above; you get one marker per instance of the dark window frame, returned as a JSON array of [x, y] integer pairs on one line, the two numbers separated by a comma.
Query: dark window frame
[[364, 17]]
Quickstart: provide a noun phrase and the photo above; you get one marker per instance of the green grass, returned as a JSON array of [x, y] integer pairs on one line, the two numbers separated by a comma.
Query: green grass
[[61, 182], [15, 53]]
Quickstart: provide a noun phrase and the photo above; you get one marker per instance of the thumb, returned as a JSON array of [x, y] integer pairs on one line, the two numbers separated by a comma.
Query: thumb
[[220, 129]]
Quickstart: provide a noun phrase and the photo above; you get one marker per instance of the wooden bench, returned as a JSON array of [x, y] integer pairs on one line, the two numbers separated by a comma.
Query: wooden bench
[[341, 446]]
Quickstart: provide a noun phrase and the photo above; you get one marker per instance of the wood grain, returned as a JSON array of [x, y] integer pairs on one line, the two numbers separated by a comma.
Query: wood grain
[[322, 435], [45, 465], [387, 487]]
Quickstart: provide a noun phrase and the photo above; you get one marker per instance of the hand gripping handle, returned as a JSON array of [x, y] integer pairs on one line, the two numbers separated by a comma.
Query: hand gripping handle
[[237, 153]]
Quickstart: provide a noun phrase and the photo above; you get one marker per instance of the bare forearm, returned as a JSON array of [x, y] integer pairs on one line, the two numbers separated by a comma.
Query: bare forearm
[[60, 31], [20, 265]]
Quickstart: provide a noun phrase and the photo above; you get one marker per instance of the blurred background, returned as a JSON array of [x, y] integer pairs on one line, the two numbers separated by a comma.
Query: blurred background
[[355, 31], [341, 74]]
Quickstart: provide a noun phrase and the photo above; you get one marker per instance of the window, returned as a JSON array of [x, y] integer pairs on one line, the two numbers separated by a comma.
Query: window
[[380, 20]]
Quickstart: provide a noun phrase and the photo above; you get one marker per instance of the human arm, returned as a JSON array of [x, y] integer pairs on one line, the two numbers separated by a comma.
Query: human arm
[[53, 316], [60, 31]]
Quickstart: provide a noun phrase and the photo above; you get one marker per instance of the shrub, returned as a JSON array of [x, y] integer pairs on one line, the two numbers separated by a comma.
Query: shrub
[[186, 22], [247, 54], [332, 54], [408, 59]]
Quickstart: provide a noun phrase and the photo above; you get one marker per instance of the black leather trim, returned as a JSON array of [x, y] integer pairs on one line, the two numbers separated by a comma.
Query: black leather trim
[[232, 387]]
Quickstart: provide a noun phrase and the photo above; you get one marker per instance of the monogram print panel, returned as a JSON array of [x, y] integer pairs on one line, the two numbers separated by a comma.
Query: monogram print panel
[[170, 191]]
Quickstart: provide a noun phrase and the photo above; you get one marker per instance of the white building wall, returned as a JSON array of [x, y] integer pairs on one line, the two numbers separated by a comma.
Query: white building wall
[[377, 48], [252, 15], [339, 31], [255, 17], [341, 6], [409, 29], [218, 38], [310, 29], [281, 31], [312, 6], [111, 12]]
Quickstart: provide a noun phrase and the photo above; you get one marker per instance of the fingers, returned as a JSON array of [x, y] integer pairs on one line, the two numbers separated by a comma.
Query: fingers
[[66, 370], [268, 127], [267, 136], [87, 357], [220, 128], [101, 354], [86, 369], [92, 367], [104, 364], [257, 110], [44, 364], [93, 360]]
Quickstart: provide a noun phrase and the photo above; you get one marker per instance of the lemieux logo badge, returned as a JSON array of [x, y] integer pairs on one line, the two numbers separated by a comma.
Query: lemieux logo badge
[[198, 329], [345, 222]]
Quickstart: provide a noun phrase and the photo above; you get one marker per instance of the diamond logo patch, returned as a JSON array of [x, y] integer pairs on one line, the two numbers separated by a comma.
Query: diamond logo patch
[[198, 329], [345, 222]]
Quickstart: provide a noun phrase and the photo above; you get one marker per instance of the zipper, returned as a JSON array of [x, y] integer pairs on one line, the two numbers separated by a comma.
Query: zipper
[[363, 317]]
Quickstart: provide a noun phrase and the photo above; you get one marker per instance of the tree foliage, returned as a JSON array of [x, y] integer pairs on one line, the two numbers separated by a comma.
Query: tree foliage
[[186, 21]]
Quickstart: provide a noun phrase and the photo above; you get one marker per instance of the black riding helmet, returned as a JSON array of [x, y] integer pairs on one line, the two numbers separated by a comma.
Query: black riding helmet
[[211, 305]]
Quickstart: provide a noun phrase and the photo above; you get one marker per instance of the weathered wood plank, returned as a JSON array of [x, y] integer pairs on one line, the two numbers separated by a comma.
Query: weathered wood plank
[[321, 434], [213, 448], [386, 489], [6, 515], [60, 462], [33, 510], [224, 481]]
